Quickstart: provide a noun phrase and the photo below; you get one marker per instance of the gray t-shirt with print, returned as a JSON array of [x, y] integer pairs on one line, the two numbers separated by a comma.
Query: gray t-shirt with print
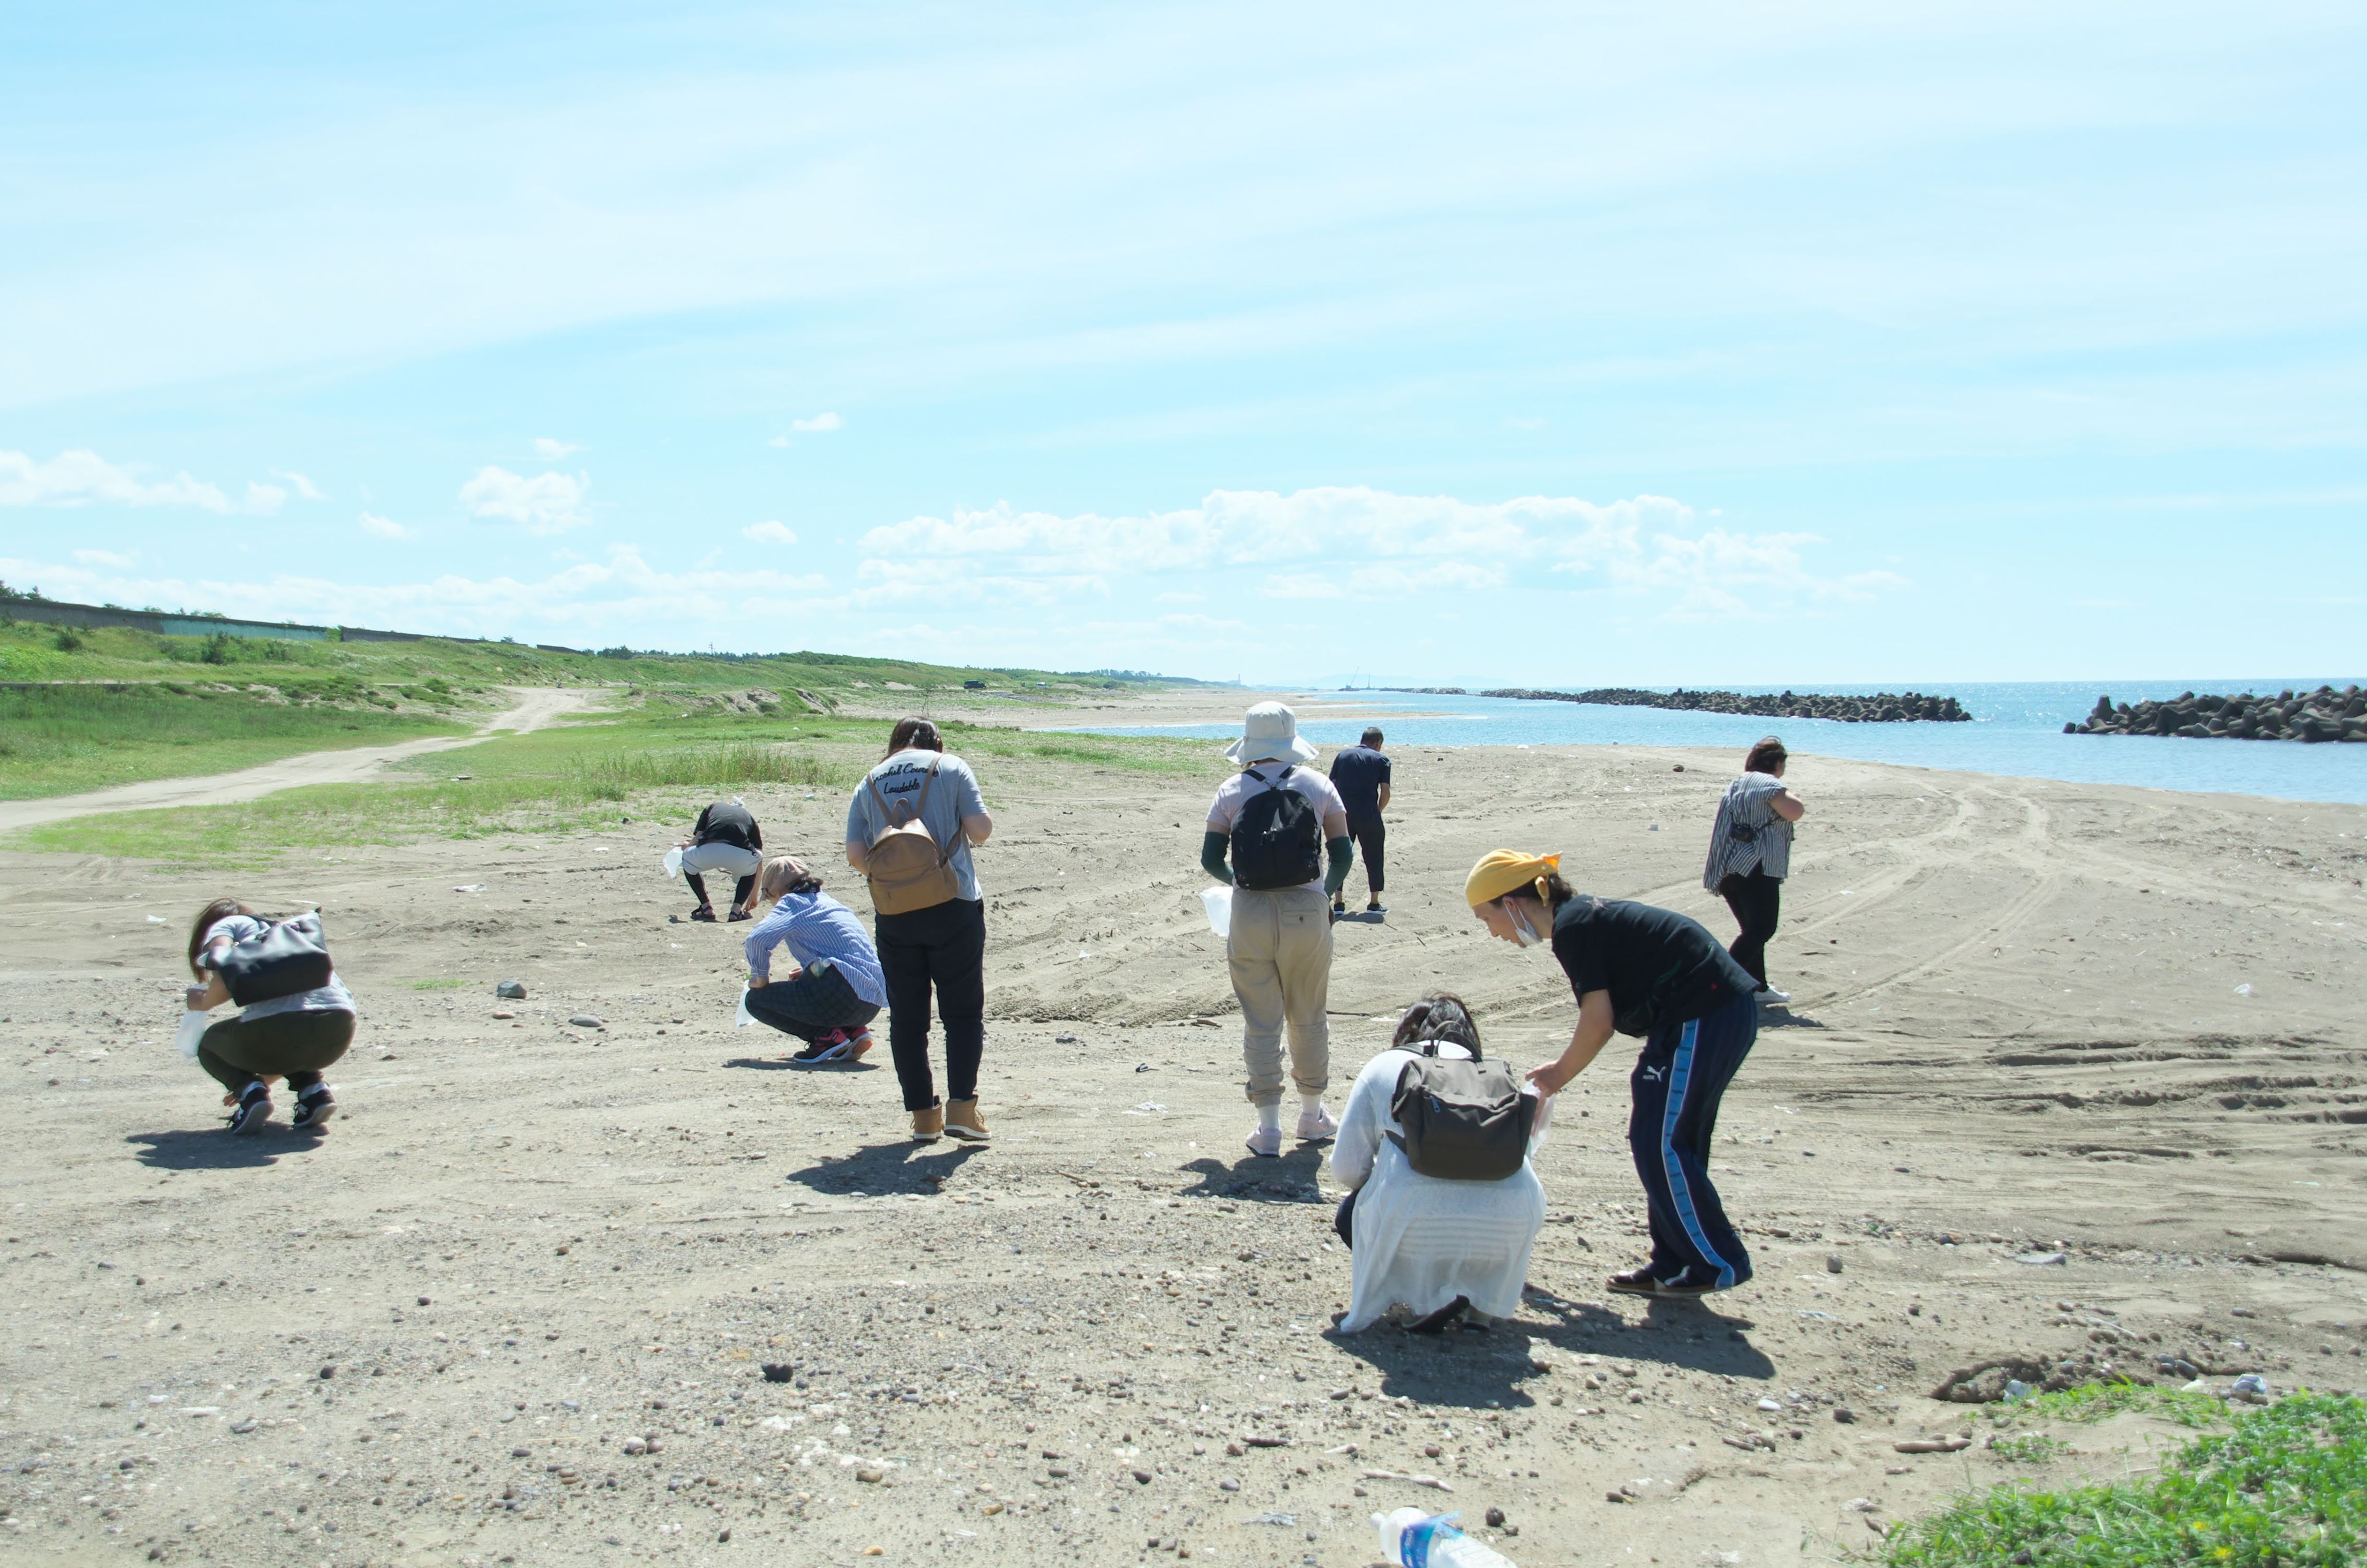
[[952, 796]]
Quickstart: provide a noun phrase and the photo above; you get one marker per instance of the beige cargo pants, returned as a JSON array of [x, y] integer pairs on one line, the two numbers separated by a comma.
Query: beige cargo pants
[[1280, 953]]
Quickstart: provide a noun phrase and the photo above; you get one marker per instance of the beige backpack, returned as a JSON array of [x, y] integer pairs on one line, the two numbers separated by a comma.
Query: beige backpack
[[907, 868]]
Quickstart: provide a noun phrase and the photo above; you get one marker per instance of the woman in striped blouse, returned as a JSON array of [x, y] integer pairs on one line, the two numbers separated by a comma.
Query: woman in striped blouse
[[1749, 856]]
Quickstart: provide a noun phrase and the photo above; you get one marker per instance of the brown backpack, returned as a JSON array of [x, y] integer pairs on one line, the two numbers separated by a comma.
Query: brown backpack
[[906, 866]]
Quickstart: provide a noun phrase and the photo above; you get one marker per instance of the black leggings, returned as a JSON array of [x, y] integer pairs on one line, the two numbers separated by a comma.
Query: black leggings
[[293, 1045], [739, 893], [1756, 900], [942, 947], [1370, 835]]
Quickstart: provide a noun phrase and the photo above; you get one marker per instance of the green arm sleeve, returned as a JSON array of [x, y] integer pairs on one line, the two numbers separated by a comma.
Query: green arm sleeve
[[1212, 858], [1342, 853]]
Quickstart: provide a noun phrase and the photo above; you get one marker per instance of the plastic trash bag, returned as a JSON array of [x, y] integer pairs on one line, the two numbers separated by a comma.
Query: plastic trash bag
[[192, 1030], [743, 1018], [673, 861], [1218, 902]]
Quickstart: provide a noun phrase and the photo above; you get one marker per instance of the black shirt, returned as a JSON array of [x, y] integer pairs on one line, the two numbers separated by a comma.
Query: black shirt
[[728, 822], [1358, 774], [1660, 967]]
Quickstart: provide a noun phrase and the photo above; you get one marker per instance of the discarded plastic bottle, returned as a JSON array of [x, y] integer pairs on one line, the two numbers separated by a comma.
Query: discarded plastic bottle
[[1411, 1539]]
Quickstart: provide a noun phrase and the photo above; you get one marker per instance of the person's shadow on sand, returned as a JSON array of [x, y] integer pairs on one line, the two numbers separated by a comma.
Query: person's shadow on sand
[[214, 1149], [1467, 1366], [1288, 1178], [781, 1064], [900, 1166]]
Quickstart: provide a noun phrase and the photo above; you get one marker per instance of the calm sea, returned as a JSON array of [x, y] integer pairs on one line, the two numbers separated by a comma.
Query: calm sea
[[2017, 729]]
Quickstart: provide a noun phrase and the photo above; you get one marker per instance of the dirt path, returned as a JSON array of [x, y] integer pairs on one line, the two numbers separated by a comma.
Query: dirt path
[[534, 709]]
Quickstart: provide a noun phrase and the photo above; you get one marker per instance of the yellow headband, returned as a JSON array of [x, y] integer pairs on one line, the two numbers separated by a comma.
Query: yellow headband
[[1506, 871]]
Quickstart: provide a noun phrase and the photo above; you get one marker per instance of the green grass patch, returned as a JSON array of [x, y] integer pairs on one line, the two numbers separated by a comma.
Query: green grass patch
[[438, 984], [2101, 1401], [65, 740], [2030, 1448], [2286, 1487], [663, 752]]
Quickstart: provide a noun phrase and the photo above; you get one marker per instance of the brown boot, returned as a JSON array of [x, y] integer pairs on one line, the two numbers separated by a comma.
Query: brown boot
[[929, 1125], [963, 1122]]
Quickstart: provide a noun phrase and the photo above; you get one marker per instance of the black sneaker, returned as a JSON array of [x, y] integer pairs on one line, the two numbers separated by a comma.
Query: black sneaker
[[1377, 908], [1439, 1321], [254, 1110], [314, 1106], [1681, 1286], [832, 1047]]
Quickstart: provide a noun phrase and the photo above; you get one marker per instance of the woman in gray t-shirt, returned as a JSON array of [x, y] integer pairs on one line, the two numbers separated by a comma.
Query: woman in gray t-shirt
[[1750, 854]]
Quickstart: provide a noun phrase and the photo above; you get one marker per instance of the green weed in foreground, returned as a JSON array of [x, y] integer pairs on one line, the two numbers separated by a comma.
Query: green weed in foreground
[[2286, 1488], [441, 984], [2100, 1401]]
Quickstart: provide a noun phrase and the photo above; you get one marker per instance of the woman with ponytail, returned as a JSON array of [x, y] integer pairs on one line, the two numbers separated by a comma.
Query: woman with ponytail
[[1658, 975]]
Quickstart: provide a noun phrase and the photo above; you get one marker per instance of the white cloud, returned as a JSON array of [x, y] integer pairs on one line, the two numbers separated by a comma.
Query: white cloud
[[619, 599], [107, 558], [770, 533], [547, 503], [816, 425], [550, 450], [77, 478], [264, 500], [1301, 585], [301, 484], [778, 441], [1335, 541], [385, 527]]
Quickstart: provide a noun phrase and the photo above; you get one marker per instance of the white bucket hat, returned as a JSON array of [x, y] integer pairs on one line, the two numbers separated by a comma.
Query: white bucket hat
[[1269, 730]]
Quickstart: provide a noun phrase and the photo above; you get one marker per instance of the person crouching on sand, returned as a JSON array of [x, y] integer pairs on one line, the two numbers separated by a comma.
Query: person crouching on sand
[[1435, 1248], [293, 1037], [1658, 975], [836, 990], [726, 839]]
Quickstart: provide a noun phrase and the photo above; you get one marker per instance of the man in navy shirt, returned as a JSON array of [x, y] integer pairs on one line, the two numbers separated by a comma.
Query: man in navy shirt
[[1360, 774]]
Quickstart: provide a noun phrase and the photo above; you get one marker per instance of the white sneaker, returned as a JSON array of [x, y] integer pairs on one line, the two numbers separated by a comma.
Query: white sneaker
[[1266, 1143], [1316, 1125], [1771, 997]]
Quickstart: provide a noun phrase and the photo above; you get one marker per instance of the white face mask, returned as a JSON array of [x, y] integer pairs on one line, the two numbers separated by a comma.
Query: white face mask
[[1523, 932]]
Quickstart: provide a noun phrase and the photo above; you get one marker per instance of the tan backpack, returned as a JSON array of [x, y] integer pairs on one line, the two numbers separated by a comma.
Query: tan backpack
[[906, 866]]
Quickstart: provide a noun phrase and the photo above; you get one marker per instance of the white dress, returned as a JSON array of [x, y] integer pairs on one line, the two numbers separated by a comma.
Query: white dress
[[1419, 1240]]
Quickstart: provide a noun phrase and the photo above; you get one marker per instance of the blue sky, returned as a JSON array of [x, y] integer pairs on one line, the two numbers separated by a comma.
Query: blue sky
[[1551, 344]]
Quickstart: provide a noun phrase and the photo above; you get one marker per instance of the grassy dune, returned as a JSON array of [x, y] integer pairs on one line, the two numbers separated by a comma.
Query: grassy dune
[[658, 752], [66, 739], [190, 705]]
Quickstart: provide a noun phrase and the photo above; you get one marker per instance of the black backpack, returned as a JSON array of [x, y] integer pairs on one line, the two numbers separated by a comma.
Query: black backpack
[[289, 956], [1277, 840], [1463, 1120]]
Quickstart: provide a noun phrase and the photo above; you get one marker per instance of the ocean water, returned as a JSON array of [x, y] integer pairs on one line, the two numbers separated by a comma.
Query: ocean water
[[2017, 729]]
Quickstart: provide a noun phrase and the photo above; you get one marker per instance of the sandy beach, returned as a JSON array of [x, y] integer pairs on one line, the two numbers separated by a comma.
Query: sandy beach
[[2072, 1074]]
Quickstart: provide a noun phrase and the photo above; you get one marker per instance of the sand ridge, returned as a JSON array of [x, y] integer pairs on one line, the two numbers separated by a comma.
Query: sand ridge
[[2017, 1032]]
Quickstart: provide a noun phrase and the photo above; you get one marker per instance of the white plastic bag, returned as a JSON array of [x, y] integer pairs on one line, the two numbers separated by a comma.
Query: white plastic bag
[[1218, 902], [192, 1030], [743, 1018], [1543, 1123], [673, 861]]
